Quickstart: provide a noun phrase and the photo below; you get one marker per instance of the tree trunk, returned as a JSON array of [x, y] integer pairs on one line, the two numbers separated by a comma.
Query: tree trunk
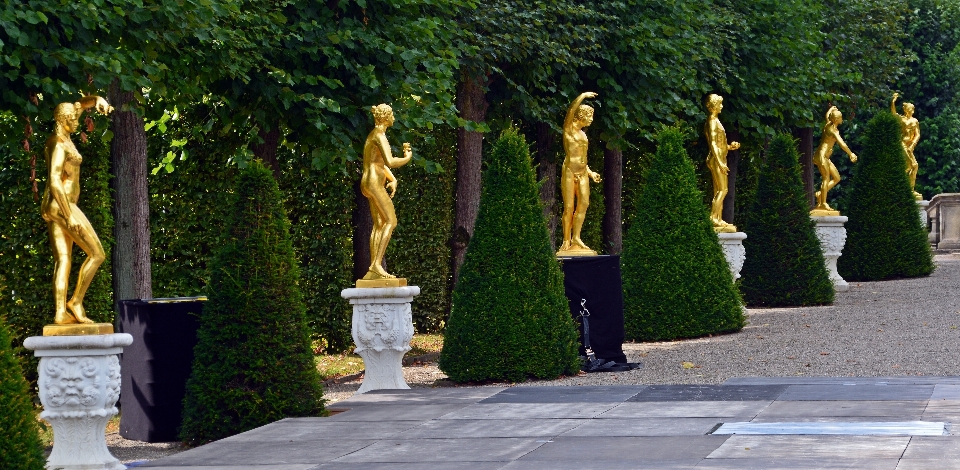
[[362, 226], [547, 174], [472, 103], [733, 163], [806, 162], [612, 200], [131, 208], [267, 151]]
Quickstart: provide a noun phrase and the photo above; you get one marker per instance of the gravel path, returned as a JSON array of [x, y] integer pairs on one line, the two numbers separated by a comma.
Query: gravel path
[[877, 329]]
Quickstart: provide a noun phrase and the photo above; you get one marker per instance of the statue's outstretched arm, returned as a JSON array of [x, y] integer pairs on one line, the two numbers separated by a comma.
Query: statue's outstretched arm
[[893, 104], [388, 158], [572, 110]]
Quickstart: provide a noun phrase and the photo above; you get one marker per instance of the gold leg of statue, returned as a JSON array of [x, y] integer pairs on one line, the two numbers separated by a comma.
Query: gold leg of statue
[[829, 175], [68, 225], [374, 183], [911, 136], [575, 177], [717, 162]]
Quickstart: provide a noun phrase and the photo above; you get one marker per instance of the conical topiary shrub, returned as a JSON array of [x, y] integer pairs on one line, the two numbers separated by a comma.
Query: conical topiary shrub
[[676, 281], [784, 265], [885, 238], [253, 363], [20, 446], [510, 319]]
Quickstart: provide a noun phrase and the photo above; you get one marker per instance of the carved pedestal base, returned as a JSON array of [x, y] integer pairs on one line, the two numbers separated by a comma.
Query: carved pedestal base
[[732, 244], [382, 329], [79, 385], [923, 213], [832, 237]]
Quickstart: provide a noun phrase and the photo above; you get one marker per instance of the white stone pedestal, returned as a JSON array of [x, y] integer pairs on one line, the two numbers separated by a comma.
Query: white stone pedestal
[[79, 386], [832, 237], [732, 244], [923, 212], [382, 329]]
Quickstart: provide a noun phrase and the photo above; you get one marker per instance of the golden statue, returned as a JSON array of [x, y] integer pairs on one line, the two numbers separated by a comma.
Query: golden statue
[[717, 162], [574, 185], [828, 172], [67, 224], [911, 136], [376, 179]]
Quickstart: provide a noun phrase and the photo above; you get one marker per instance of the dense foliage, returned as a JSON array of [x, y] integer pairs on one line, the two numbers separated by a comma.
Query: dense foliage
[[676, 281], [20, 446], [885, 239], [253, 363], [784, 265], [510, 319]]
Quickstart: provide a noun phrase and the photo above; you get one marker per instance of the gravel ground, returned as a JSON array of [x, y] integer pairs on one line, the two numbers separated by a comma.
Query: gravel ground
[[877, 329]]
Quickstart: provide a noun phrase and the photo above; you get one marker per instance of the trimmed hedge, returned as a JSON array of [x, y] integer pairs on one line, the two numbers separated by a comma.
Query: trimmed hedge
[[784, 265], [20, 446], [253, 364], [885, 238], [676, 281], [510, 319]]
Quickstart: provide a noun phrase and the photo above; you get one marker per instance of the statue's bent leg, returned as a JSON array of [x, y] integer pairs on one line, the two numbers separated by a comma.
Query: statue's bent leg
[[88, 241], [62, 245], [580, 214]]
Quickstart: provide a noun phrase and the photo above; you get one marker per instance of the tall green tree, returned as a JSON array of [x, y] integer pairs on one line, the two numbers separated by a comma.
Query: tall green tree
[[20, 445]]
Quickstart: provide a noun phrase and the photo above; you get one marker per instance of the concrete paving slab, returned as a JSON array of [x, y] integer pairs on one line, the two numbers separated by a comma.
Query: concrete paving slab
[[811, 447], [939, 464], [583, 394], [430, 396], [871, 428], [789, 409], [689, 464], [633, 449], [411, 466], [318, 429], [709, 393], [484, 428], [396, 412], [799, 464], [943, 447], [910, 380], [946, 392], [263, 453], [530, 411], [835, 392], [444, 450], [644, 427], [743, 410], [835, 419], [242, 467]]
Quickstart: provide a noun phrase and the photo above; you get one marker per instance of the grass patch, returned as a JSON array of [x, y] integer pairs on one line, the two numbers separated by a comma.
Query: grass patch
[[332, 366]]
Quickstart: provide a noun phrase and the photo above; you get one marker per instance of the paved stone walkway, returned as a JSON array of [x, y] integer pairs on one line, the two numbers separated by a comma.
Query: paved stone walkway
[[867, 422]]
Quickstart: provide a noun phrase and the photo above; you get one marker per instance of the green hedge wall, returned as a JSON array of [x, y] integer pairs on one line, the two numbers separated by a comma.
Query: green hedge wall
[[676, 281]]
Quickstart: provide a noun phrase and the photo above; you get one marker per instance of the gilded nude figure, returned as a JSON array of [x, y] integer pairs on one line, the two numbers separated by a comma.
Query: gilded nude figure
[[829, 175], [574, 182], [717, 162], [911, 136]]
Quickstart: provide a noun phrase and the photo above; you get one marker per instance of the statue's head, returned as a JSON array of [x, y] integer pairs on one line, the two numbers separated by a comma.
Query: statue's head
[[834, 116], [714, 103], [67, 115], [584, 114], [382, 114], [908, 109]]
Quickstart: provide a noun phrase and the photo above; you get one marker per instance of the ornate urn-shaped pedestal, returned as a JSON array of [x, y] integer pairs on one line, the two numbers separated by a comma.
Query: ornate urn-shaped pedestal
[[382, 329], [79, 386], [832, 237]]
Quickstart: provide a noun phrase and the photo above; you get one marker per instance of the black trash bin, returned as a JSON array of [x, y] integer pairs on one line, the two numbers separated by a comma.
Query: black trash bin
[[155, 368], [594, 282]]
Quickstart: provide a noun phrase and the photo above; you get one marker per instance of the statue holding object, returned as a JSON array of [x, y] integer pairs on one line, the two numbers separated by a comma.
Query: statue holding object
[[67, 223], [717, 162], [829, 175], [574, 182], [911, 136], [376, 180]]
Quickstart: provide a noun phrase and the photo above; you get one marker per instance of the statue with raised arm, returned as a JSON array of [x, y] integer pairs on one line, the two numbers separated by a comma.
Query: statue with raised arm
[[67, 224], [376, 180], [829, 175], [574, 182], [911, 136], [717, 162]]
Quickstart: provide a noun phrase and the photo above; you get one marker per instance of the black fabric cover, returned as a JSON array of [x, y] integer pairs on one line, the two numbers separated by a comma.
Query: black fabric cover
[[597, 279], [155, 368]]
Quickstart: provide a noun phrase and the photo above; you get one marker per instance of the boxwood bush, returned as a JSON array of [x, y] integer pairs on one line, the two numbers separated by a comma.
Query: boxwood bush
[[885, 238], [676, 281], [252, 364], [784, 265], [510, 318], [20, 446]]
